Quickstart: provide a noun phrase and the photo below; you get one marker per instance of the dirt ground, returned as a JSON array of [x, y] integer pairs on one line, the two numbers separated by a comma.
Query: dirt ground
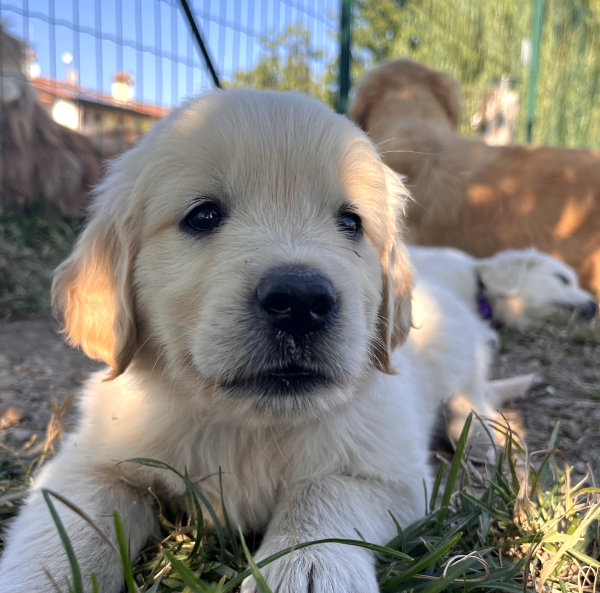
[[34, 362]]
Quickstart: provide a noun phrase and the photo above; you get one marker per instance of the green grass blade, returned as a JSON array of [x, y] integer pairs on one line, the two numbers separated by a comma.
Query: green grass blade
[[488, 433], [425, 561], [443, 582], [154, 587], [66, 542], [155, 464], [554, 435], [94, 583], [124, 550], [494, 512], [258, 578], [217, 524], [193, 504], [499, 586], [399, 540], [436, 488], [187, 575], [234, 544], [347, 542], [455, 466], [584, 558]]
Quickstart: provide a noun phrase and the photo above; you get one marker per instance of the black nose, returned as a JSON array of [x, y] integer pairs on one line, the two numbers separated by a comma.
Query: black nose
[[588, 311], [297, 300]]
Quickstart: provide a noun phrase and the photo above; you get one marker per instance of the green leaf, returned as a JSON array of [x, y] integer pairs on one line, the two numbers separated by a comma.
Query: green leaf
[[234, 544], [454, 467], [442, 583], [186, 574], [425, 561], [66, 542], [347, 542], [217, 524], [124, 550], [258, 578], [436, 488], [494, 512], [154, 587], [584, 558]]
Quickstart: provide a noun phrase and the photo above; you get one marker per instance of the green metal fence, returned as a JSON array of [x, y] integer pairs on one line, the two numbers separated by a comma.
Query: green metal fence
[[549, 51], [552, 60]]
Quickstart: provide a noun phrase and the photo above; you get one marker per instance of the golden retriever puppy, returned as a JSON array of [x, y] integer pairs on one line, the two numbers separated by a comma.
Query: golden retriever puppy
[[519, 288], [472, 196], [243, 274]]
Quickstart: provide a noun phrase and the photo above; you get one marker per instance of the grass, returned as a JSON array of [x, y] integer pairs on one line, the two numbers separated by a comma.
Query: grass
[[32, 244], [507, 527]]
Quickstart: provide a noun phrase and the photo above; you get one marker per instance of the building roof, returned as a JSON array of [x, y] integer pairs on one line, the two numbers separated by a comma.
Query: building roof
[[47, 88]]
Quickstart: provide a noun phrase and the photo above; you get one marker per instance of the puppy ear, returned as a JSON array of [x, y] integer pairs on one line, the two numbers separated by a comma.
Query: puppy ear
[[503, 273], [395, 313], [92, 291], [447, 93]]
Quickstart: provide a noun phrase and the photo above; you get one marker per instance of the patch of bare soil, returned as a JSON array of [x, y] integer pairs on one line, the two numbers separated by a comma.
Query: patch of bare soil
[[567, 358], [34, 361]]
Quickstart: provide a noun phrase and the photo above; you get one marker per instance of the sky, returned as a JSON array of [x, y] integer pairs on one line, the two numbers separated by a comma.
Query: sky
[[151, 38]]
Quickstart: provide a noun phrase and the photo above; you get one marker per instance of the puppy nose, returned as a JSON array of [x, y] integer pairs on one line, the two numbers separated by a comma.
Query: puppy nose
[[588, 311], [297, 300]]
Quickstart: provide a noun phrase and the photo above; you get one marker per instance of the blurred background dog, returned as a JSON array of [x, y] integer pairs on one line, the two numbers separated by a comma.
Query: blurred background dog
[[518, 288], [473, 196]]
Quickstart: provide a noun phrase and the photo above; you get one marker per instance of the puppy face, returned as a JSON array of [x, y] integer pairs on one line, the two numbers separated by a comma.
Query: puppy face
[[531, 287], [248, 250]]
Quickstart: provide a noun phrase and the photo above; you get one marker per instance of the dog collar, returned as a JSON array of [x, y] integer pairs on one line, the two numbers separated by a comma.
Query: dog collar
[[484, 307]]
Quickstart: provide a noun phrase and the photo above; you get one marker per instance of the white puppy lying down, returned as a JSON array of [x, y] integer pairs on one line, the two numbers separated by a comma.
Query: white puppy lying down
[[243, 275], [454, 348], [517, 288]]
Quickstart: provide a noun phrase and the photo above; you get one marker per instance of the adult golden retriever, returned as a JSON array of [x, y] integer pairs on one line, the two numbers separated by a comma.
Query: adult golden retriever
[[472, 196]]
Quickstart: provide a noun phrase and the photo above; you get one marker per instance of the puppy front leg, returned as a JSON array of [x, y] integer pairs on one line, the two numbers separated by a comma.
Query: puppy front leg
[[331, 507], [33, 547]]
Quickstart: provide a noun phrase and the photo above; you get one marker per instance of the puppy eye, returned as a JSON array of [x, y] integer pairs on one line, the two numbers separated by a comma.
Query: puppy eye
[[203, 218], [350, 223], [563, 279]]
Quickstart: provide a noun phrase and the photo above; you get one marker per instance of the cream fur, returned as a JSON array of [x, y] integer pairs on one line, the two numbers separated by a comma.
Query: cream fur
[[522, 285], [173, 315]]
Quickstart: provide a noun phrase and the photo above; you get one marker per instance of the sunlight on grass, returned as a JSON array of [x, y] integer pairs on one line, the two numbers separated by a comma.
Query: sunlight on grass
[[518, 525]]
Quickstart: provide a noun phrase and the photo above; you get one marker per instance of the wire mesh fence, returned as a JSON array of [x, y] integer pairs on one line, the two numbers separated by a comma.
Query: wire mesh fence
[[107, 70], [485, 45]]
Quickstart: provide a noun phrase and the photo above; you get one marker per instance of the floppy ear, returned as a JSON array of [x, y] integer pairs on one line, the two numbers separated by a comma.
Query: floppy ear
[[503, 273], [395, 314], [92, 291], [446, 91]]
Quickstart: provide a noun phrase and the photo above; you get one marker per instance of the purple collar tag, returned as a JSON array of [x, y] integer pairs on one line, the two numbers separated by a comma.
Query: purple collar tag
[[484, 306]]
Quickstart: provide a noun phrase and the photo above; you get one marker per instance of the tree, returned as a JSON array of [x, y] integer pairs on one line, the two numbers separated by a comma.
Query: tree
[[478, 42], [288, 62]]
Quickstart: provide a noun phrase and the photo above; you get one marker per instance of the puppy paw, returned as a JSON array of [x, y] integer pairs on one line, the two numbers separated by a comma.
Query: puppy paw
[[339, 569]]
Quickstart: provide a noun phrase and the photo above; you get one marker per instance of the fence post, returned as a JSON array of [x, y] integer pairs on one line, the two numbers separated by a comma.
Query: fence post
[[345, 38], [534, 67], [196, 33]]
